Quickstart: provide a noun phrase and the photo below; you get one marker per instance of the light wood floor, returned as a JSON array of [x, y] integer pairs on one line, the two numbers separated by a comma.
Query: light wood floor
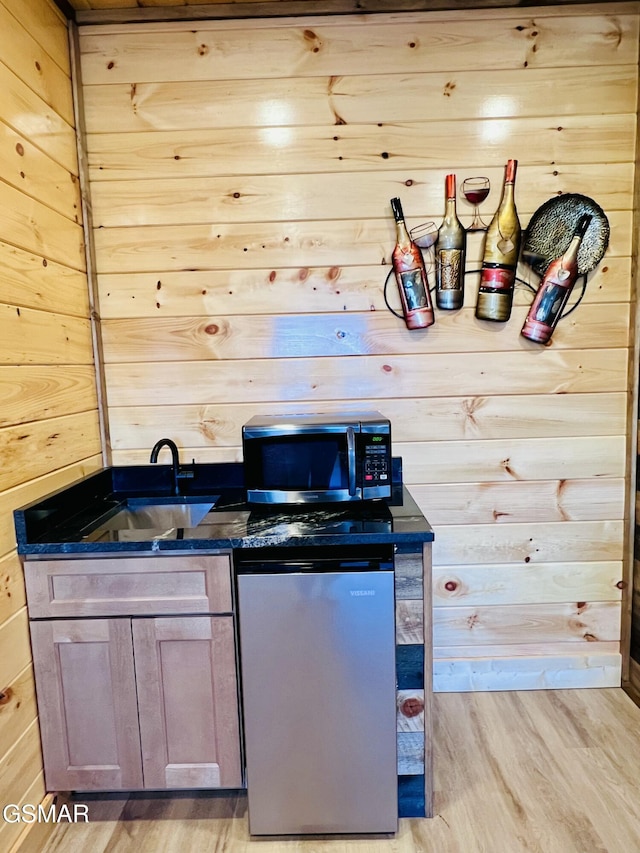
[[544, 771]]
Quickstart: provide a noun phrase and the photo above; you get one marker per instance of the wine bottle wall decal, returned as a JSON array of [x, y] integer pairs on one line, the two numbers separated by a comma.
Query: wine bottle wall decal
[[411, 275], [554, 289], [500, 257], [450, 253]]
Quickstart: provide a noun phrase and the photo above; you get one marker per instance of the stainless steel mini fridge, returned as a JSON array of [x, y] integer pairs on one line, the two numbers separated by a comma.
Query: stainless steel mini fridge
[[317, 647]]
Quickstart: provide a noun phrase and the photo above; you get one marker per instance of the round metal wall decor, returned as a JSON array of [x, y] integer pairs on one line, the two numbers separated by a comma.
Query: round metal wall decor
[[552, 225]]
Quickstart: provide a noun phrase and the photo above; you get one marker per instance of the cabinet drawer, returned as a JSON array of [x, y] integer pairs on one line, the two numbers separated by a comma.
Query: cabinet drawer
[[113, 586]]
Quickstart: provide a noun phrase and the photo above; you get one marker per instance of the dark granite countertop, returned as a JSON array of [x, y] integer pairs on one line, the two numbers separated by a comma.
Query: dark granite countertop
[[87, 516]]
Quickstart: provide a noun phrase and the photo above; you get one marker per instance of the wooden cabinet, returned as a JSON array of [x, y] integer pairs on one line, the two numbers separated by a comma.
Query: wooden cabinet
[[187, 702], [138, 701], [87, 705]]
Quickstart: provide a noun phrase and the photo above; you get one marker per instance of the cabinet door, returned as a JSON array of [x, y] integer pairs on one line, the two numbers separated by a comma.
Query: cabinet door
[[87, 704], [187, 700]]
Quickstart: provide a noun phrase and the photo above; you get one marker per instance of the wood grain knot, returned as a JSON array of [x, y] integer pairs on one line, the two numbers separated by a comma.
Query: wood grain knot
[[451, 586], [412, 706], [6, 695], [312, 40], [212, 329]]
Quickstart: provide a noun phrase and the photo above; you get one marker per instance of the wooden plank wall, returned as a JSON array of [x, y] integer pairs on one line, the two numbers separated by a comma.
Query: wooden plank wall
[[240, 178], [48, 411]]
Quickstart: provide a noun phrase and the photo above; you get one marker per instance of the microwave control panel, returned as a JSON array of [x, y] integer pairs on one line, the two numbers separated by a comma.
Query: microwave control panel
[[376, 461]]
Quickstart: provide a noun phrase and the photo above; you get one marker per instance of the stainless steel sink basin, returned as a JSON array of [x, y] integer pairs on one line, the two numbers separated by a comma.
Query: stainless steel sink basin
[[149, 515], [158, 516]]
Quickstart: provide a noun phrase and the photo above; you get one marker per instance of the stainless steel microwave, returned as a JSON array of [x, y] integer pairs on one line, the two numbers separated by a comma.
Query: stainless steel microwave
[[317, 458]]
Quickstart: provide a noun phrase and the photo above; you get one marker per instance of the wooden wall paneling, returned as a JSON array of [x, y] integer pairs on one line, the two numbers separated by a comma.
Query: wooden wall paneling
[[42, 337], [12, 593], [287, 198], [528, 673], [22, 762], [245, 236], [140, 456], [29, 170], [455, 586], [32, 64], [349, 334], [16, 649], [37, 228], [47, 380], [32, 450], [301, 244], [306, 289], [32, 838], [30, 392], [19, 694], [51, 132], [45, 21], [514, 650], [528, 543], [410, 622], [519, 623], [343, 48], [33, 281], [586, 622], [542, 500], [162, 383], [452, 418], [215, 152], [607, 90], [408, 575], [414, 723], [230, 453], [510, 460]]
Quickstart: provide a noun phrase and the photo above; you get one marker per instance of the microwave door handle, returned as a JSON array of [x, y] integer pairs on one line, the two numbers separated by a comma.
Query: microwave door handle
[[351, 460]]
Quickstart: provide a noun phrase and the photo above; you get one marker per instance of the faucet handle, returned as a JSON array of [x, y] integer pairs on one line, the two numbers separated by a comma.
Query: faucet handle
[[187, 473]]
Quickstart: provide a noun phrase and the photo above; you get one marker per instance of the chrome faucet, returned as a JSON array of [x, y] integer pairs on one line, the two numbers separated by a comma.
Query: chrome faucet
[[175, 459]]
